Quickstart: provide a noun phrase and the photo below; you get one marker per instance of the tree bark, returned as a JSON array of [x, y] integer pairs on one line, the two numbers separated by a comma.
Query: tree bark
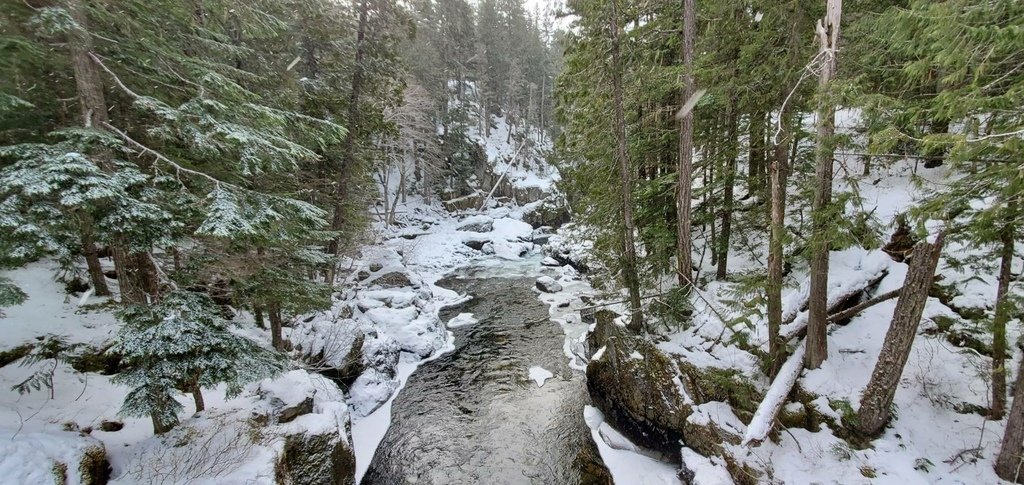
[[1010, 462], [779, 173], [728, 190], [348, 159], [756, 155], [876, 401], [197, 396], [276, 325], [684, 185], [628, 226], [92, 260], [828, 36], [1003, 307]]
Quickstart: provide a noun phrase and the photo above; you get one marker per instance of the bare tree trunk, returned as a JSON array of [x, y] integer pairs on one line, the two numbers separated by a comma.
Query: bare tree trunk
[[1002, 315], [1010, 462], [628, 226], [817, 341], [684, 186], [876, 401]]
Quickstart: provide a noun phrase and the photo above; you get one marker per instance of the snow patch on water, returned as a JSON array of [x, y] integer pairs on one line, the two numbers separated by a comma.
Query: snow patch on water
[[539, 375]]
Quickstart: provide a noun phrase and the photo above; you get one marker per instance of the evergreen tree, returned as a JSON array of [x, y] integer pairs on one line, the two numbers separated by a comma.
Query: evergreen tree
[[181, 343]]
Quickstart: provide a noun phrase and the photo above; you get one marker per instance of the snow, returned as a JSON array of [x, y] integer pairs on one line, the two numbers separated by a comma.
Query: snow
[[539, 375], [31, 457], [462, 320], [627, 466]]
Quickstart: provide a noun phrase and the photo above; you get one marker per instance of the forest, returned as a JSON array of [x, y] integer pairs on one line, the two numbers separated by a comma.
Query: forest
[[509, 241]]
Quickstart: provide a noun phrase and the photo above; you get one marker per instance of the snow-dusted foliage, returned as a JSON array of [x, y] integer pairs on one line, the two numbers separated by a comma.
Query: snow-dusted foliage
[[182, 343]]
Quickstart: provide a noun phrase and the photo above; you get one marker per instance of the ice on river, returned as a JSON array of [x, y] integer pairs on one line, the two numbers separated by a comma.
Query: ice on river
[[461, 320], [540, 374]]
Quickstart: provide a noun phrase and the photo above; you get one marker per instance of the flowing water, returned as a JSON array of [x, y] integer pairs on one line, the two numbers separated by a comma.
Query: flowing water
[[473, 416]]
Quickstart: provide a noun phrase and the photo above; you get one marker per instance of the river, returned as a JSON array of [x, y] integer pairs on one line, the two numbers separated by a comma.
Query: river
[[474, 415]]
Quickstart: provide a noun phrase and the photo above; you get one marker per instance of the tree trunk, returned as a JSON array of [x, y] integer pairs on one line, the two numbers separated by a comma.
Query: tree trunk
[[257, 313], [1010, 462], [628, 227], [684, 185], [728, 189], [756, 155], [1003, 307], [348, 160], [276, 325], [197, 396], [828, 35], [92, 260], [779, 173], [876, 401]]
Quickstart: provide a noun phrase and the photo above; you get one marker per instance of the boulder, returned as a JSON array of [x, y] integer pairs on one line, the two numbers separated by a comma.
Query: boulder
[[658, 400], [549, 261], [548, 284], [288, 396], [477, 224], [318, 453], [477, 244], [394, 279]]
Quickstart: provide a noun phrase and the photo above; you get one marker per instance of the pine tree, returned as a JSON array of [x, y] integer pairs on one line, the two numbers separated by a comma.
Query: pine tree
[[181, 343]]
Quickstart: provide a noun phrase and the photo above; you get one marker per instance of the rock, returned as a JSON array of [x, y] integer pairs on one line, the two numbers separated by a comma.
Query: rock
[[642, 398], [111, 426], [477, 244], [393, 279], [477, 224], [345, 371], [290, 395], [549, 261], [549, 213], [316, 456], [468, 202], [375, 267], [548, 284], [362, 275]]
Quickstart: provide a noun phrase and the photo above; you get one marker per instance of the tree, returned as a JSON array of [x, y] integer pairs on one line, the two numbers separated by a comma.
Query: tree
[[625, 177], [684, 187], [828, 39], [876, 402], [181, 343]]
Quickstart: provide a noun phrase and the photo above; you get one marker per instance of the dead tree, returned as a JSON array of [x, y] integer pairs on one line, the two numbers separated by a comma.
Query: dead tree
[[876, 401], [828, 37]]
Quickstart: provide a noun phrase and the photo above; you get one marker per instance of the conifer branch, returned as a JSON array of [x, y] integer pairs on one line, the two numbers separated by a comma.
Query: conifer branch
[[117, 79], [158, 156]]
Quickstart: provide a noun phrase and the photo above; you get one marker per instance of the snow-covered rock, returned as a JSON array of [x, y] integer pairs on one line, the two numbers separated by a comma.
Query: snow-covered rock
[[53, 457], [548, 284], [477, 224], [549, 261]]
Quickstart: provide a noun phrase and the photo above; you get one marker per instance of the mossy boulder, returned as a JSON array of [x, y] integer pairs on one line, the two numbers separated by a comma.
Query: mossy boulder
[[661, 402]]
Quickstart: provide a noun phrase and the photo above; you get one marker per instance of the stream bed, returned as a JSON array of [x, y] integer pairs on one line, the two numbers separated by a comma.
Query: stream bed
[[474, 415]]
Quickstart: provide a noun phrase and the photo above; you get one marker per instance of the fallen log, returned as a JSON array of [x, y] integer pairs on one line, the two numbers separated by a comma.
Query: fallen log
[[764, 418], [836, 301], [854, 310]]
